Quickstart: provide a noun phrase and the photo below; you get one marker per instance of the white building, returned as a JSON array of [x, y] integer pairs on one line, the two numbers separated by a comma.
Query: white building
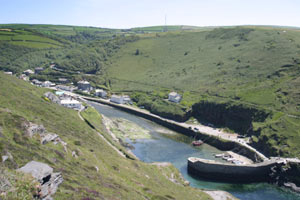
[[28, 72], [36, 82], [100, 93], [84, 86], [117, 99], [174, 97], [46, 84], [71, 103], [8, 73], [126, 99]]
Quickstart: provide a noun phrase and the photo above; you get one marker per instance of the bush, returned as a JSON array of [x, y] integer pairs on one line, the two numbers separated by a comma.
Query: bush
[[77, 143]]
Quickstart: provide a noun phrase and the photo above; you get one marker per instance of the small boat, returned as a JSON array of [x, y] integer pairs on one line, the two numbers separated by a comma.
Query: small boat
[[197, 143], [219, 155]]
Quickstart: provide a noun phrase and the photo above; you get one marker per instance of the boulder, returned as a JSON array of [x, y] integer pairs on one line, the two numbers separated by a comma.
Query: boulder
[[32, 129], [49, 137], [52, 97], [37, 169], [43, 173]]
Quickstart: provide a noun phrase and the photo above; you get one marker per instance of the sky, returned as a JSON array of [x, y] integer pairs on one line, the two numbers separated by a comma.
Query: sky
[[140, 13]]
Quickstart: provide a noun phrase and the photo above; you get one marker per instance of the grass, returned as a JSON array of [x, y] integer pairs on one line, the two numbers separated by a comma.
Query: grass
[[28, 39], [255, 66], [117, 178]]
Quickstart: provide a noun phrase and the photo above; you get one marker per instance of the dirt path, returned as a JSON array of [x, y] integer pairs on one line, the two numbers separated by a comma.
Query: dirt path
[[112, 146], [105, 140]]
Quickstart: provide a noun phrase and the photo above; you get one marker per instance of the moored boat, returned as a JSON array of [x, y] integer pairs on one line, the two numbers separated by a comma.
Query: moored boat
[[197, 143]]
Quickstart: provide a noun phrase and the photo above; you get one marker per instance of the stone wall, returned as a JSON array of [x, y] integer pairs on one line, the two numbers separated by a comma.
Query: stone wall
[[230, 172]]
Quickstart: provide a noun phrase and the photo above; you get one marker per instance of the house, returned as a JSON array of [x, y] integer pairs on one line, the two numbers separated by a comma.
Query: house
[[84, 86], [36, 82], [63, 80], [117, 99], [126, 99], [37, 70], [28, 72], [8, 73], [100, 93], [46, 84], [71, 103], [174, 97]]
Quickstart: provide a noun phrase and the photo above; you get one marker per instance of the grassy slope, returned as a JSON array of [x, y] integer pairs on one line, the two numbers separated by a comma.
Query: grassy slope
[[258, 66], [118, 178]]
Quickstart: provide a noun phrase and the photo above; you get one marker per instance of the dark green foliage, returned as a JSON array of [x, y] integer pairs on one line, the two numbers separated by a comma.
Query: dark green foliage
[[161, 107], [237, 117], [77, 143]]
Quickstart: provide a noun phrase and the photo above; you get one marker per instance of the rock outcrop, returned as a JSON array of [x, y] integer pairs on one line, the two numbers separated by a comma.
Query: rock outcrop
[[31, 129], [43, 173], [52, 97]]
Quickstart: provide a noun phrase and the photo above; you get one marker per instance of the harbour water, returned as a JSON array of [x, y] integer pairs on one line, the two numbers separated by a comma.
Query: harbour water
[[168, 146]]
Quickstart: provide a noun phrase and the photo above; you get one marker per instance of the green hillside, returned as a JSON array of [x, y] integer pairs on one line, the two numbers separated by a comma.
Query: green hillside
[[244, 79], [117, 178], [256, 67]]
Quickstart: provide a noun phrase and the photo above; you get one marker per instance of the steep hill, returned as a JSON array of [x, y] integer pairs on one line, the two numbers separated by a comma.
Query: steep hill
[[98, 172], [240, 68], [245, 79]]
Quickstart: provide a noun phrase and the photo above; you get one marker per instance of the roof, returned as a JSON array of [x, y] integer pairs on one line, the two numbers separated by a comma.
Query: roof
[[173, 93], [28, 71], [59, 92], [62, 79], [69, 101], [83, 82], [115, 96]]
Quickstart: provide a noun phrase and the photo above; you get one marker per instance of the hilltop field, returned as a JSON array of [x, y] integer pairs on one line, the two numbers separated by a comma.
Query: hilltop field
[[244, 79]]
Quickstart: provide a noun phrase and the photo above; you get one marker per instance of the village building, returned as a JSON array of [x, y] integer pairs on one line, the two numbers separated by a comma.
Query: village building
[[71, 103], [63, 80], [117, 99], [100, 93], [47, 84], [8, 73], [84, 86], [28, 72], [36, 82], [174, 97], [126, 99], [38, 70]]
